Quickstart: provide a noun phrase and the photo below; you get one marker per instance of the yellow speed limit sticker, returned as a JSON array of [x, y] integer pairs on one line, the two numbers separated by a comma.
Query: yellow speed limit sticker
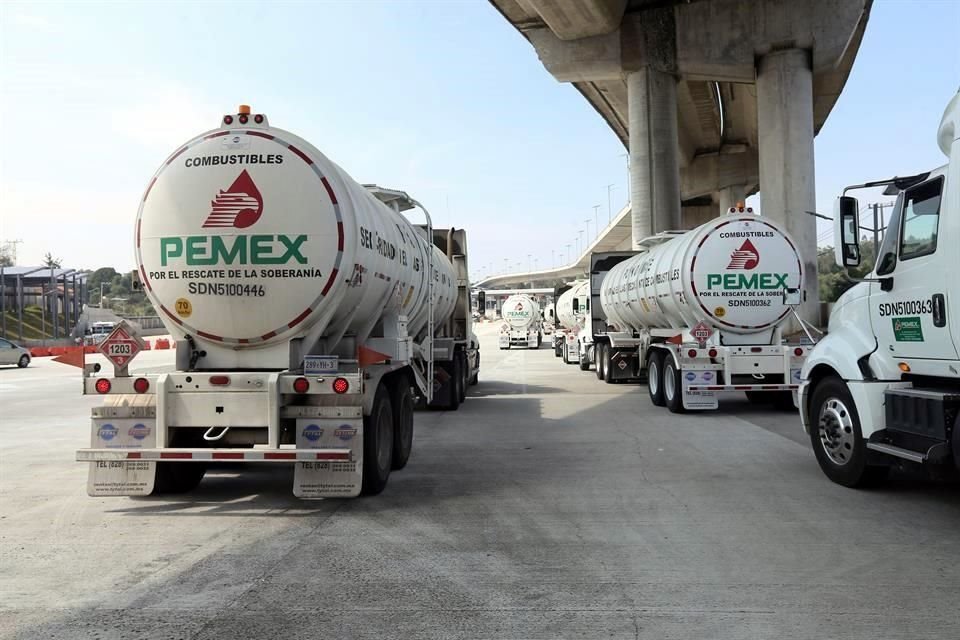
[[719, 312], [183, 308]]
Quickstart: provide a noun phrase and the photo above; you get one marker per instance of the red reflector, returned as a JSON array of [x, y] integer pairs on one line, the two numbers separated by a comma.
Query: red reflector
[[301, 385], [220, 381], [798, 351], [141, 385], [692, 353], [103, 385], [340, 385], [712, 353], [258, 119], [243, 119], [756, 349], [227, 119]]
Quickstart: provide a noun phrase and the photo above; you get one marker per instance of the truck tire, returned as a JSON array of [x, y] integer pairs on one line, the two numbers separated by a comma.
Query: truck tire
[[464, 372], [557, 347], [601, 352], [539, 340], [179, 477], [781, 400], [377, 444], [837, 438], [456, 380], [607, 362], [402, 403], [655, 378], [672, 386], [24, 361], [585, 360]]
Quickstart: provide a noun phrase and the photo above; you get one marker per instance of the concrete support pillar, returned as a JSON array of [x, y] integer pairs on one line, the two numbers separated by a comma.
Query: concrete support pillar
[[785, 128], [654, 161], [730, 196]]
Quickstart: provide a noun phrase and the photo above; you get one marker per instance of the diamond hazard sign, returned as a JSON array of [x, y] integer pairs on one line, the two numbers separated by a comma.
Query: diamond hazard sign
[[121, 346], [701, 332]]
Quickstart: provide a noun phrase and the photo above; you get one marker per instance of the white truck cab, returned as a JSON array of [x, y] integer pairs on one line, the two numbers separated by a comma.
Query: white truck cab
[[883, 385]]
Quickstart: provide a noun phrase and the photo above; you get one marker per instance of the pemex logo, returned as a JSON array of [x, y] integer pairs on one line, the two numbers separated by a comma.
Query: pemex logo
[[519, 307], [745, 258], [239, 206]]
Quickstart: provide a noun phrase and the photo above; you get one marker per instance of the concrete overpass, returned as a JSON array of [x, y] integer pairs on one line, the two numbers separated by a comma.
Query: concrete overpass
[[714, 99]]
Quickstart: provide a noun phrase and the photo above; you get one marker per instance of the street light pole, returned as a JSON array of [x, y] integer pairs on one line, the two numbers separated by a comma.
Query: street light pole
[[588, 229], [596, 217], [568, 254], [609, 207], [627, 157]]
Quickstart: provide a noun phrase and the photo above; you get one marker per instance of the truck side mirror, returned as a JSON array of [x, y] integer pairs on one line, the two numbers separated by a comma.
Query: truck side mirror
[[846, 231]]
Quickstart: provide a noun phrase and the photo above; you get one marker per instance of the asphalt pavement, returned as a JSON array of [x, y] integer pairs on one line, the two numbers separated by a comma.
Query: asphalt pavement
[[551, 505]]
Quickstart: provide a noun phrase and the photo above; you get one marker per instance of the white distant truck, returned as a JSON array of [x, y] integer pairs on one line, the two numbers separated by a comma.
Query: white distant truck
[[522, 322], [309, 318], [699, 312], [572, 305], [883, 386]]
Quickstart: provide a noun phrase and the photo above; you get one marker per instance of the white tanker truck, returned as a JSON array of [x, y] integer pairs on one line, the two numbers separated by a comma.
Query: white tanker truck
[[309, 317], [699, 312], [572, 305], [521, 322]]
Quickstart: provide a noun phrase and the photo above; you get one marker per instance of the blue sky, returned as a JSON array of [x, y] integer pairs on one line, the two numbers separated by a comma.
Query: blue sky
[[442, 99]]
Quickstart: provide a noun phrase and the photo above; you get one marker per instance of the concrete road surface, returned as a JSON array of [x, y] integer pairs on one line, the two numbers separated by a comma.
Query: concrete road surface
[[550, 505]]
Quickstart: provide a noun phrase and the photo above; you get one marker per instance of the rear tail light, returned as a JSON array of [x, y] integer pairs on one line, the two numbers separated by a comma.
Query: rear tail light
[[141, 385], [712, 353], [301, 385], [798, 352], [756, 349], [340, 385], [220, 381], [103, 385], [227, 119], [243, 119], [692, 353], [258, 118]]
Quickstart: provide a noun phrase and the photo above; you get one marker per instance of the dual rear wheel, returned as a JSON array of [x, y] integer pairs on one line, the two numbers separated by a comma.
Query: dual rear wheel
[[663, 381]]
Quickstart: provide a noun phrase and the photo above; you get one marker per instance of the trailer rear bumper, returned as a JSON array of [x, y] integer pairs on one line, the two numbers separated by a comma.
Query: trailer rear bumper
[[743, 387], [215, 455]]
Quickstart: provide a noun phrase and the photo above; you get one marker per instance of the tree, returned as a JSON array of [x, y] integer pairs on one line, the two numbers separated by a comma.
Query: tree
[[50, 262], [834, 280], [6, 259]]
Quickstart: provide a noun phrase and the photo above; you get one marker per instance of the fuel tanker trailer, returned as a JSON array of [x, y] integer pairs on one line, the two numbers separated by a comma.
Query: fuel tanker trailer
[[700, 312], [309, 318], [522, 326], [572, 307]]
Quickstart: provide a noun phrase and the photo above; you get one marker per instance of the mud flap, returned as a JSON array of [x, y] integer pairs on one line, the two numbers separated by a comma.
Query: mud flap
[[699, 400], [122, 478], [334, 479]]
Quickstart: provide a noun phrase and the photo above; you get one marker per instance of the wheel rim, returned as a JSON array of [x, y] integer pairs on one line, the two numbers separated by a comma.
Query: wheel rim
[[653, 377], [835, 429], [384, 440], [24, 360], [669, 382]]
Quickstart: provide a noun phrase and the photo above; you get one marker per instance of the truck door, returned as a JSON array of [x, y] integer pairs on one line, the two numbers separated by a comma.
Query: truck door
[[910, 319]]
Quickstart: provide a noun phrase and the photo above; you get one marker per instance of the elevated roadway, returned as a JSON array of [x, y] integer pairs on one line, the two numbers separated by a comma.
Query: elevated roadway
[[714, 99]]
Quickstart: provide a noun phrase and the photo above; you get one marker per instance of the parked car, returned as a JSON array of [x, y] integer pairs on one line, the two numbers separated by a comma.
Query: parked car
[[11, 353]]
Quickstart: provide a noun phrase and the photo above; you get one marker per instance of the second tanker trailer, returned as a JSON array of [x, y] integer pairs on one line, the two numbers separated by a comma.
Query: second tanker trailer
[[699, 312]]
